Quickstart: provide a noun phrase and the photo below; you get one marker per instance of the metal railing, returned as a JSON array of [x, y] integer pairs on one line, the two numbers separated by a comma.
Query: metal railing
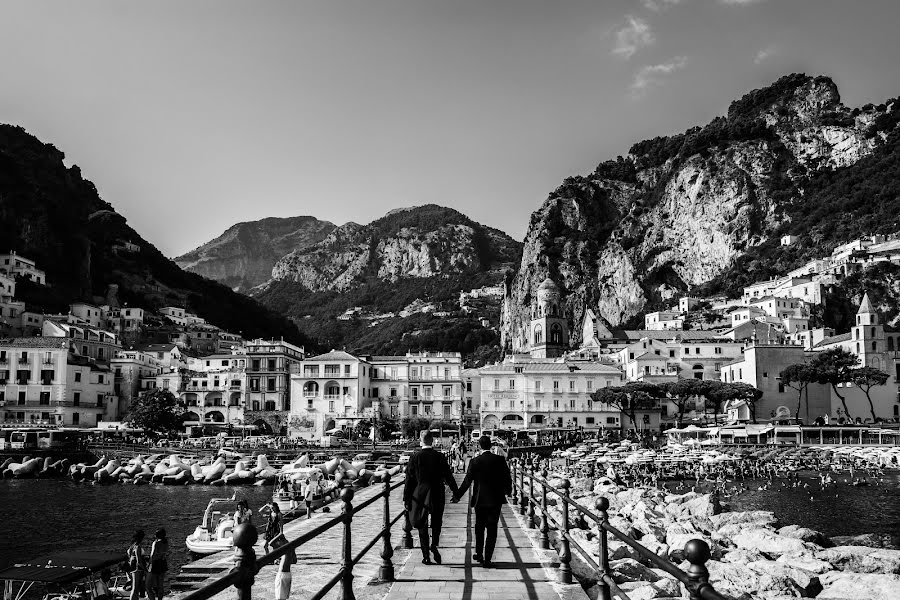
[[247, 566], [696, 552]]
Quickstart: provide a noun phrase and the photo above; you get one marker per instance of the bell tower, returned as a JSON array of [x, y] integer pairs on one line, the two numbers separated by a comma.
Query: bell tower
[[548, 334], [868, 337]]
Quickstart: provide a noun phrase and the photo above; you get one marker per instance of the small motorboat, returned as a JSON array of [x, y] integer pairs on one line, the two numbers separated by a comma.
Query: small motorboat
[[215, 533], [65, 576]]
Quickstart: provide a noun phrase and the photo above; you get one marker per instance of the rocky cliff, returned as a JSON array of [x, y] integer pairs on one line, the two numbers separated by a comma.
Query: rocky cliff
[[243, 256], [51, 214], [679, 213], [420, 242]]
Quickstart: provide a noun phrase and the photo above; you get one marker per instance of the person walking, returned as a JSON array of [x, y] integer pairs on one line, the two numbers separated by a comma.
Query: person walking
[[159, 554], [423, 494], [274, 525], [137, 565], [491, 482]]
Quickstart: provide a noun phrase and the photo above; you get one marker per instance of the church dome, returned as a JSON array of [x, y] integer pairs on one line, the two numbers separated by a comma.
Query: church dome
[[548, 291]]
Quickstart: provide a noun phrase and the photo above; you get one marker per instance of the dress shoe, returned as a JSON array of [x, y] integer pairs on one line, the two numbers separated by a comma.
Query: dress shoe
[[478, 557], [426, 561], [437, 555], [488, 564]]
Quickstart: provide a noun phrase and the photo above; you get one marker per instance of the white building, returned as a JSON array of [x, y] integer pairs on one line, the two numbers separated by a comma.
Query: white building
[[664, 320], [174, 314], [15, 265]]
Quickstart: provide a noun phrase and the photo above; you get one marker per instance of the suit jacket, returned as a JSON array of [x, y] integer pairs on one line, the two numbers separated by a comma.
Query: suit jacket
[[490, 478], [426, 472]]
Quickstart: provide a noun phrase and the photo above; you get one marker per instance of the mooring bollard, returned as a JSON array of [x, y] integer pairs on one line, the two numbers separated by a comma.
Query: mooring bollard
[[244, 538], [386, 572], [545, 525], [602, 506], [565, 553], [347, 554], [697, 553]]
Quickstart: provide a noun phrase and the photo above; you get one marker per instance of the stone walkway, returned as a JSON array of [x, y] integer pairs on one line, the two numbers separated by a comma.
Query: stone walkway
[[521, 572]]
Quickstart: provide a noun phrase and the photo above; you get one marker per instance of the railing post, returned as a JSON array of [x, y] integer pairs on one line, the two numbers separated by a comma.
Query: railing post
[[565, 553], [386, 572], [521, 486], [531, 499], [244, 537], [347, 555], [545, 525], [602, 506], [697, 553]]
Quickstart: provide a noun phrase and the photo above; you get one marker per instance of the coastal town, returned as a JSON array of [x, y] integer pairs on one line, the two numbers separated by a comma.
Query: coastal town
[[84, 369]]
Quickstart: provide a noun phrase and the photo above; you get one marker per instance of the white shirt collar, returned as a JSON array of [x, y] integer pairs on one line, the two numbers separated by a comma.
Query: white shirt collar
[[423, 447]]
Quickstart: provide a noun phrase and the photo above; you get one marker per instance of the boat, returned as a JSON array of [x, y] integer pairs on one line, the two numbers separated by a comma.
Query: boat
[[291, 487], [215, 532], [65, 575]]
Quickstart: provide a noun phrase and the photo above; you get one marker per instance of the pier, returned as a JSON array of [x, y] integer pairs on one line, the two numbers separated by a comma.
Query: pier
[[353, 555]]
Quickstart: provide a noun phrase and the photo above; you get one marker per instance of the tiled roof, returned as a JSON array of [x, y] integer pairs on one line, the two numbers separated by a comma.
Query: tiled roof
[[334, 355], [835, 339], [35, 342], [157, 347]]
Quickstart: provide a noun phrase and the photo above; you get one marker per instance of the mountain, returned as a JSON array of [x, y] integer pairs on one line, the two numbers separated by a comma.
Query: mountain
[[53, 215], [243, 256], [703, 211], [386, 279]]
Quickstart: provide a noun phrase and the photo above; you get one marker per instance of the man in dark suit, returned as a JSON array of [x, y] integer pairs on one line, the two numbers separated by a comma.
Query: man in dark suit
[[491, 482], [426, 474]]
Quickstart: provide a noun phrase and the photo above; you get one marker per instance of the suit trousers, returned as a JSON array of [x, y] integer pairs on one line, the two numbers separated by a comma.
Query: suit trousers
[[436, 519], [486, 520]]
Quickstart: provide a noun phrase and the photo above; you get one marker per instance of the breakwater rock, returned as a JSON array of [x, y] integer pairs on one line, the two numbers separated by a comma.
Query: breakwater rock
[[752, 557]]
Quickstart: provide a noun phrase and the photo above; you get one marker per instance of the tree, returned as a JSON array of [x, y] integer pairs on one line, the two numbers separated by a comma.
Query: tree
[[834, 367], [156, 411], [630, 398], [411, 426], [362, 429], [743, 391], [798, 377], [681, 392], [865, 378]]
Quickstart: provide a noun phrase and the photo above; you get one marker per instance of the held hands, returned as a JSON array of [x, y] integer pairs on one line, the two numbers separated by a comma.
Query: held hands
[[455, 498]]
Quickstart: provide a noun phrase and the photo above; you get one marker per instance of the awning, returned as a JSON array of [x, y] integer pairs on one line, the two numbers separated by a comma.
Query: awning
[[62, 568], [788, 429], [759, 429]]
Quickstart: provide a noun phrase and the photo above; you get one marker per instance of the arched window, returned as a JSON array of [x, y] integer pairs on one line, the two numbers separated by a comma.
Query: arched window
[[538, 334], [556, 334], [876, 364]]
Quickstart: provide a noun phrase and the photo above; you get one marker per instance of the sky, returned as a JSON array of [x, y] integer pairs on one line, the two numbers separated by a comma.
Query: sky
[[190, 116]]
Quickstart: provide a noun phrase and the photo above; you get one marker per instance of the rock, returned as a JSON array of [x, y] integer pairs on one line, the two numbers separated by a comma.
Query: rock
[[860, 586], [807, 535], [677, 542], [742, 557], [646, 591], [656, 547], [756, 518], [804, 561], [649, 530], [764, 540], [872, 540], [862, 559], [628, 569], [780, 577]]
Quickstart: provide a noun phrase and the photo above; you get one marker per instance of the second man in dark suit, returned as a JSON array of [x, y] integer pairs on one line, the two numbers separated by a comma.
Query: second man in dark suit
[[491, 482]]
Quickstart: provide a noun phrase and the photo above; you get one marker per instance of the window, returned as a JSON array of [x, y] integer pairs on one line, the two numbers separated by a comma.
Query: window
[[780, 388], [271, 364], [427, 391], [414, 410], [393, 392], [590, 385], [415, 393], [44, 398], [446, 411], [538, 385], [612, 420], [447, 390], [589, 420], [100, 400], [375, 392], [512, 384], [46, 377], [270, 384], [76, 418], [572, 404], [256, 405], [696, 350], [270, 405], [571, 385], [718, 350], [331, 406], [346, 370], [254, 384], [497, 385], [76, 399], [255, 364], [765, 373], [718, 367], [555, 385], [468, 386]]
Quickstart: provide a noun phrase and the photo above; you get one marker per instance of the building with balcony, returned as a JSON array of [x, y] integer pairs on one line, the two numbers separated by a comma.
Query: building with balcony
[[526, 392], [83, 313], [129, 368], [330, 391], [175, 314], [664, 320], [268, 391], [213, 390], [686, 354], [44, 382], [15, 265]]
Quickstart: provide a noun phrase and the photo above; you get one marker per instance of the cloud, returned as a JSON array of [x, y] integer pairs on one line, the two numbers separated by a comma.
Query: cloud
[[633, 36], [764, 54], [658, 5], [651, 75]]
